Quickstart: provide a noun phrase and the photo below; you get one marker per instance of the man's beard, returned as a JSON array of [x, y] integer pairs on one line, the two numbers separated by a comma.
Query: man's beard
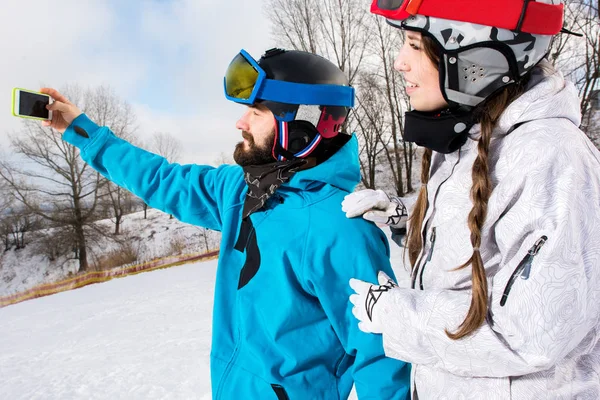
[[254, 155]]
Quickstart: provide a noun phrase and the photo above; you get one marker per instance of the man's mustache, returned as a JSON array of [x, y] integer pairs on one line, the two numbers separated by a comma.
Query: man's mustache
[[248, 136]]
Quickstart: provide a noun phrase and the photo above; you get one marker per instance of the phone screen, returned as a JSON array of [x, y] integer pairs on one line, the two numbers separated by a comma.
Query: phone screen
[[33, 104]]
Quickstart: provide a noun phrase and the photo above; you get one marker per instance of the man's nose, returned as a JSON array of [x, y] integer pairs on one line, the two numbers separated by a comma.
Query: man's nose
[[242, 123]]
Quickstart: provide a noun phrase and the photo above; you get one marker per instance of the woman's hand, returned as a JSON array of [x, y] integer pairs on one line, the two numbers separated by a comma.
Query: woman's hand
[[367, 297], [376, 206]]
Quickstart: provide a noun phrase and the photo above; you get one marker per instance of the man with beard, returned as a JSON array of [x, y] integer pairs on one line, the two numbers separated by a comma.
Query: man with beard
[[282, 325]]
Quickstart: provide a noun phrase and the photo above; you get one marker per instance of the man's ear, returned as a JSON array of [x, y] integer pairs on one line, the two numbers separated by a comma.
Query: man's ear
[[300, 134], [298, 142]]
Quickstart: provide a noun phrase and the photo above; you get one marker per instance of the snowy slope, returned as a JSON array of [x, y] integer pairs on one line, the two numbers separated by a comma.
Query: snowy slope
[[142, 337], [156, 236]]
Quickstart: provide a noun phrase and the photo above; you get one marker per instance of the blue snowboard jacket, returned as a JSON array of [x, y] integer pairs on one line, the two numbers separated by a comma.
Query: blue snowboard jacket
[[282, 322]]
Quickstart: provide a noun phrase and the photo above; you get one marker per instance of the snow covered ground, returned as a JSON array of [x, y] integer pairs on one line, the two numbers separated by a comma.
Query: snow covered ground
[[142, 337], [156, 236]]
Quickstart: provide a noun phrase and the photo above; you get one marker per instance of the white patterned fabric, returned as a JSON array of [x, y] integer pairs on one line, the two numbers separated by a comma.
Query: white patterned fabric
[[543, 342]]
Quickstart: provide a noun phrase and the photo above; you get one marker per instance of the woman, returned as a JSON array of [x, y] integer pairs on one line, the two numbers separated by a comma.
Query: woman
[[504, 238]]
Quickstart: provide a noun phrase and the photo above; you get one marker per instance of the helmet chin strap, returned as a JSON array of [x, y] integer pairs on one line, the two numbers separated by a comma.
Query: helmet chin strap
[[443, 132]]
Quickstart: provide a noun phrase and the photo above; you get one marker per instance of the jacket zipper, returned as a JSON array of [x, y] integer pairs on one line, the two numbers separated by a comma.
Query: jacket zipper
[[429, 255], [524, 268], [437, 191]]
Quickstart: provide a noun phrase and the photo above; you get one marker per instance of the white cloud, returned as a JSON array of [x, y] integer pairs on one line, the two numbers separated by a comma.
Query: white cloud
[[166, 58], [203, 137]]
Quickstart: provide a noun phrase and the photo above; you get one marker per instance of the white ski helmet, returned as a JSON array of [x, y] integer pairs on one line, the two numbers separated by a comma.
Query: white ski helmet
[[485, 44]]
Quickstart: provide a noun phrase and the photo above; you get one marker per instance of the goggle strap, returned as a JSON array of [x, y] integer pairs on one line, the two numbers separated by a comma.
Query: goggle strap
[[543, 19], [307, 94], [529, 16], [522, 16], [413, 7]]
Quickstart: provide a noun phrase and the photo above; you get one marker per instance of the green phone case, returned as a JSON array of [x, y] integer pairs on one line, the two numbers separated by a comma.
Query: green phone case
[[12, 108]]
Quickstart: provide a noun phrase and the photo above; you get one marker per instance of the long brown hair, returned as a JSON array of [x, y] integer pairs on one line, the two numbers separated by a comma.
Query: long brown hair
[[487, 114]]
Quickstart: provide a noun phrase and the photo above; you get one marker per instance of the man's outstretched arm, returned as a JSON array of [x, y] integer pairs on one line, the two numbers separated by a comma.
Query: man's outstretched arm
[[192, 193]]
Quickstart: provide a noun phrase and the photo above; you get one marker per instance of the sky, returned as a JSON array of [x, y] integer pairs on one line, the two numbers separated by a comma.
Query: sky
[[166, 58]]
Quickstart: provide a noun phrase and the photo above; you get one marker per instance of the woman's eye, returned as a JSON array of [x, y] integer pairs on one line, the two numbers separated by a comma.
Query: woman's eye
[[414, 46]]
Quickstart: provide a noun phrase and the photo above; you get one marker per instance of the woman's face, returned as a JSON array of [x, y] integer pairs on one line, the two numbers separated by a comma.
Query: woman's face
[[420, 74]]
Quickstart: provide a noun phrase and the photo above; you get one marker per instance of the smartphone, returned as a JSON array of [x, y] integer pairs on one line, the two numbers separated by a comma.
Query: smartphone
[[30, 104]]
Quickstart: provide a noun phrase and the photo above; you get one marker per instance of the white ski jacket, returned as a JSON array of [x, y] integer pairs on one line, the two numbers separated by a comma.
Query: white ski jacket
[[541, 251]]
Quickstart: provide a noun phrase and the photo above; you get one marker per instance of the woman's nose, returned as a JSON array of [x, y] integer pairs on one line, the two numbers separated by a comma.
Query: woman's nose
[[400, 62]]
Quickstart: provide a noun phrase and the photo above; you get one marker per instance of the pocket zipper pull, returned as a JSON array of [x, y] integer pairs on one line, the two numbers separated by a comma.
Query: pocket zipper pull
[[530, 254], [432, 241], [523, 268]]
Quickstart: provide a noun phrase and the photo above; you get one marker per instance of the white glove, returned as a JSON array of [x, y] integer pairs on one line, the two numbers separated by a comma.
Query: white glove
[[366, 298], [376, 206]]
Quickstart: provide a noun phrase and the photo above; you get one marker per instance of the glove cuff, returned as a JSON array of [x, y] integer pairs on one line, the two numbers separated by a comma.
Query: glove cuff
[[398, 219], [376, 298]]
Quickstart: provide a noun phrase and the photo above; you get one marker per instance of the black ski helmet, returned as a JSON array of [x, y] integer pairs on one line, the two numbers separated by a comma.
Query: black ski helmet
[[308, 95]]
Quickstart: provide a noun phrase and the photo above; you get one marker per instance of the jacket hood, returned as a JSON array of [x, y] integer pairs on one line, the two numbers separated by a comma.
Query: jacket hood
[[547, 96], [341, 170]]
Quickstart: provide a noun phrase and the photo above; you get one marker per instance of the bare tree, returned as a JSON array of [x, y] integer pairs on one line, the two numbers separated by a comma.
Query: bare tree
[[105, 108], [5, 232], [579, 59], [343, 28], [6, 200], [207, 239], [54, 183], [204, 233], [50, 179], [371, 121], [295, 23], [18, 224], [55, 242], [386, 42], [145, 208], [331, 28], [167, 146], [363, 46], [224, 158], [6, 203], [593, 123], [7, 210]]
